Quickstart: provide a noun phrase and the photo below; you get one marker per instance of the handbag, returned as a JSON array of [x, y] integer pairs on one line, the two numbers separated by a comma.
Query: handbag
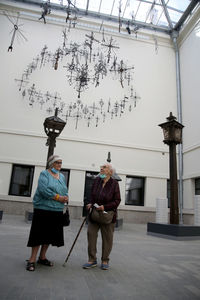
[[66, 217], [101, 217]]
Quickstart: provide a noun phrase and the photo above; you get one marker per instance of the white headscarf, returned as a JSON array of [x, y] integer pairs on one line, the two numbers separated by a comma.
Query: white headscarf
[[52, 159]]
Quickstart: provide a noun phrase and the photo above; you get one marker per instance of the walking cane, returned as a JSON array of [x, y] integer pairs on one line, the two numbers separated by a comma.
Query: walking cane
[[75, 241]]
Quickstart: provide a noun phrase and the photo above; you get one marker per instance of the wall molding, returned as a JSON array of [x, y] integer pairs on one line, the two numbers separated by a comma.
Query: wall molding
[[88, 141], [191, 175], [191, 148]]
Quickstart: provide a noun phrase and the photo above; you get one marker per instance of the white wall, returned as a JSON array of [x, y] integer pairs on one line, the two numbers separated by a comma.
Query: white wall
[[5, 175], [76, 186], [135, 140], [154, 188], [190, 89], [189, 190]]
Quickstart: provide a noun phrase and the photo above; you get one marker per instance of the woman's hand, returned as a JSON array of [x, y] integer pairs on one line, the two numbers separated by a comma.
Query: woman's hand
[[100, 208], [63, 199], [88, 206]]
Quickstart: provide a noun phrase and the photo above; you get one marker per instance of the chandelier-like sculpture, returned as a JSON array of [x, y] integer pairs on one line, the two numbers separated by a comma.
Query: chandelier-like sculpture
[[85, 65]]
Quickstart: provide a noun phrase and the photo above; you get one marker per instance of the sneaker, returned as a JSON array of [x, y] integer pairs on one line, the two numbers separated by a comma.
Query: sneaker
[[104, 266], [90, 265]]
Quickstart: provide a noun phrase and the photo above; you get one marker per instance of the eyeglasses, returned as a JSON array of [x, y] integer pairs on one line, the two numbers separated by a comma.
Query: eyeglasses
[[58, 162]]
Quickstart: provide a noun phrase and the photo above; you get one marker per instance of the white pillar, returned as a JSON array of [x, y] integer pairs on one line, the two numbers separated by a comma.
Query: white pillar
[[162, 210], [197, 210]]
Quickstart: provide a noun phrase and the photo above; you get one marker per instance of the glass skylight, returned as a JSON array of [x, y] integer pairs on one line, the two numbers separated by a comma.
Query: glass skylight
[[145, 11]]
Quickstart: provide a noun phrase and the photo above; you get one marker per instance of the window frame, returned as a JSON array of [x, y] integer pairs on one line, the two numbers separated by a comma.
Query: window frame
[[197, 190], [142, 188], [31, 174], [68, 178]]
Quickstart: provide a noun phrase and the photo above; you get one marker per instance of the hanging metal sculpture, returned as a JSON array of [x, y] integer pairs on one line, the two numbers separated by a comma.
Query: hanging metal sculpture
[[121, 70], [119, 15], [156, 43], [22, 82], [69, 8], [89, 42], [46, 10], [15, 31], [84, 65], [111, 46]]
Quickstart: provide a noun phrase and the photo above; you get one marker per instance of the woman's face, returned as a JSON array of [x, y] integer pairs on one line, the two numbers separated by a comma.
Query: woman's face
[[57, 165], [105, 169]]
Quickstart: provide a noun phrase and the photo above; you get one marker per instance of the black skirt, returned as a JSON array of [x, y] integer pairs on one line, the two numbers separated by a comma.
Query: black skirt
[[46, 228]]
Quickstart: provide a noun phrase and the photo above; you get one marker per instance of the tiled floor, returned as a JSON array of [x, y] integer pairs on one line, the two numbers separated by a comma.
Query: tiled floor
[[141, 267]]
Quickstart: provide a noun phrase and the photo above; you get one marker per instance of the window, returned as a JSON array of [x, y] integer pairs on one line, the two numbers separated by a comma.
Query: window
[[89, 177], [66, 173], [21, 180], [197, 186], [134, 191]]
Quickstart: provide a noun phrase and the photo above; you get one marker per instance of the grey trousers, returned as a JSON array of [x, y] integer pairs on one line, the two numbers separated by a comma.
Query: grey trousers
[[107, 232]]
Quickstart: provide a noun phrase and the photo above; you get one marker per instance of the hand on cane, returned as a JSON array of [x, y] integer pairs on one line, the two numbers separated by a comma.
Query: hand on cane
[[101, 207], [88, 206]]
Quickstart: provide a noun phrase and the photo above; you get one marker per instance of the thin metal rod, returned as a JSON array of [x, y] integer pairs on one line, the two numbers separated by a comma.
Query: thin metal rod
[[125, 8], [137, 9], [99, 6], [161, 13], [167, 14], [152, 7], [112, 7], [179, 118], [87, 6]]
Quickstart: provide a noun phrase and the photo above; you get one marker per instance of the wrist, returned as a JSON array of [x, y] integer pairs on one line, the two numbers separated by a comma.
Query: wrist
[[57, 196]]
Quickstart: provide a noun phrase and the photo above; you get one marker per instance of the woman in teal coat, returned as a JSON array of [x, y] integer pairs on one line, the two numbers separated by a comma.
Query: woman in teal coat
[[48, 202]]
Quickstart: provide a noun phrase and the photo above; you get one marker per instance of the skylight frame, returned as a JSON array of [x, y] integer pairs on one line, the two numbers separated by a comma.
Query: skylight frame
[[166, 20]]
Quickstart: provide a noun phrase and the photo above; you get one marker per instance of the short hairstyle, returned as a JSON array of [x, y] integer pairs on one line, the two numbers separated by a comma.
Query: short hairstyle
[[112, 169]]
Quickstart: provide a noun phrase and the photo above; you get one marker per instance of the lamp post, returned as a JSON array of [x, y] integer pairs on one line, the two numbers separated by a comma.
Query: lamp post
[[53, 126], [115, 175], [172, 131]]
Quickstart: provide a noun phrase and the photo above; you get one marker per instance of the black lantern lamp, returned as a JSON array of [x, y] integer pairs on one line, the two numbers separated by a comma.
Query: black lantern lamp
[[53, 127], [172, 131]]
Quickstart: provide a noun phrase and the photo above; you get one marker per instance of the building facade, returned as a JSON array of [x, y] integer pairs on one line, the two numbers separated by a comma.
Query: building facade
[[132, 136]]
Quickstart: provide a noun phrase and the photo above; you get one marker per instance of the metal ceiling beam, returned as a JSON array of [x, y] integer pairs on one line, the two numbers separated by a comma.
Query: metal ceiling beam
[[167, 14], [112, 7], [125, 8], [187, 12], [99, 6], [87, 5], [115, 19], [158, 4], [161, 13], [151, 9]]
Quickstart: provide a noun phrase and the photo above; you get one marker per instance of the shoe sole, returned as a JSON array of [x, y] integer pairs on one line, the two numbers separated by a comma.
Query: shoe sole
[[93, 266]]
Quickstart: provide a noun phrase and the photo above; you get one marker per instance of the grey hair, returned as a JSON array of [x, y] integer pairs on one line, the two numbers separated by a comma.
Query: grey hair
[[112, 169]]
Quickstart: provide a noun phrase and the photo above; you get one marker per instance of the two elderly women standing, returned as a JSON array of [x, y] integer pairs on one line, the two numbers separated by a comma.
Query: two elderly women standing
[[47, 223]]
